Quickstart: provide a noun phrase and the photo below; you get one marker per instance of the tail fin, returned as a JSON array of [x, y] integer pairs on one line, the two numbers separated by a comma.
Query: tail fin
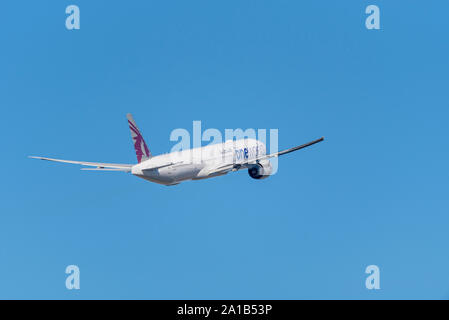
[[142, 151]]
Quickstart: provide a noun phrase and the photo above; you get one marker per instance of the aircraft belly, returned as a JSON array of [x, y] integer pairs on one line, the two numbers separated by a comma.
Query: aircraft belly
[[185, 172], [173, 174]]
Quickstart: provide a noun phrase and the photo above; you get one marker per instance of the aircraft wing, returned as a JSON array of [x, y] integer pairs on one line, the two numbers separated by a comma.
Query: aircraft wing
[[236, 166], [97, 165], [280, 153]]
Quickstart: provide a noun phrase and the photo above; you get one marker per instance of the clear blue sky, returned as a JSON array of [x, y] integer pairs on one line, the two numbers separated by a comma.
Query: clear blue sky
[[375, 192]]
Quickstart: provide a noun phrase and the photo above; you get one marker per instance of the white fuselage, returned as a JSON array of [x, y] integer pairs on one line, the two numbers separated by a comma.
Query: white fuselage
[[198, 163]]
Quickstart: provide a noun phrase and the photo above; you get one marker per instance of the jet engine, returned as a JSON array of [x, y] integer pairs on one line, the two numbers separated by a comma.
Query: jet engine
[[261, 170]]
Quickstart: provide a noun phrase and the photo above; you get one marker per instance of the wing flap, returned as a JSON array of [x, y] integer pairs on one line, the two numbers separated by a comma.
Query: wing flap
[[107, 169]]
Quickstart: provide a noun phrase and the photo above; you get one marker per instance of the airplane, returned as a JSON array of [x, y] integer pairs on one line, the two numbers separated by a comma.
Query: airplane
[[192, 164]]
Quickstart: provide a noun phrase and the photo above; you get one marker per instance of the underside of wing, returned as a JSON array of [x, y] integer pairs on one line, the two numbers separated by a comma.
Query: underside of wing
[[97, 165], [221, 169]]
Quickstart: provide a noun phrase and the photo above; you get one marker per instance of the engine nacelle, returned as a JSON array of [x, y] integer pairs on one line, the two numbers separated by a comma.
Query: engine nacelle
[[261, 170]]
